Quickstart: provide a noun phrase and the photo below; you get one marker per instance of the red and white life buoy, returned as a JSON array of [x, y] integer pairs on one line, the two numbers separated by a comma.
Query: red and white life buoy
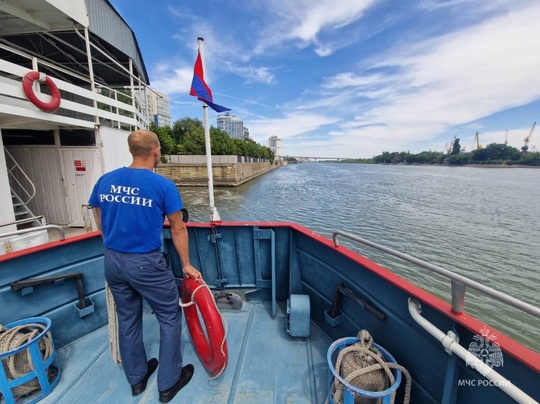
[[28, 88], [213, 351]]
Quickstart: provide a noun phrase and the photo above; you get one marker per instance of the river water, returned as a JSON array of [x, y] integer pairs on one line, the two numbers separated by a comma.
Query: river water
[[483, 223]]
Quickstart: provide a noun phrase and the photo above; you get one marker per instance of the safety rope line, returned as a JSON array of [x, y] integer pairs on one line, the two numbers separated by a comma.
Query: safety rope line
[[192, 301], [223, 341]]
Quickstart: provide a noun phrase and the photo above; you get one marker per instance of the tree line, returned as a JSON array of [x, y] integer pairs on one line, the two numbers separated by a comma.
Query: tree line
[[186, 136], [494, 153]]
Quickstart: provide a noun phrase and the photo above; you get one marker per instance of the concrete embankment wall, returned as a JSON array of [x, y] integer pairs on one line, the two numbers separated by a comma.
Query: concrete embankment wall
[[226, 170]]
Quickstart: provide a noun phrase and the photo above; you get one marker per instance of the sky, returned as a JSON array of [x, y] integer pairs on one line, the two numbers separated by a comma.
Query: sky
[[352, 78]]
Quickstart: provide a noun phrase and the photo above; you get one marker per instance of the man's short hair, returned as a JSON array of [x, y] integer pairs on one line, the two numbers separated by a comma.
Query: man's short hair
[[142, 142]]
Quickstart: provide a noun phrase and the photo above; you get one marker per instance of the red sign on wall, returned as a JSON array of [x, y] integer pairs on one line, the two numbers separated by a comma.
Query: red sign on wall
[[80, 165]]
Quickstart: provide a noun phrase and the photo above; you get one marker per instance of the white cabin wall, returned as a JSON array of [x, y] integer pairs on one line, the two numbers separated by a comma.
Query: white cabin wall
[[114, 150], [81, 166], [6, 204]]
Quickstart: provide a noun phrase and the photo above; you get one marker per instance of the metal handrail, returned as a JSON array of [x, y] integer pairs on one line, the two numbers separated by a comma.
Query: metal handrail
[[459, 282], [139, 118], [451, 344], [37, 228], [29, 194]]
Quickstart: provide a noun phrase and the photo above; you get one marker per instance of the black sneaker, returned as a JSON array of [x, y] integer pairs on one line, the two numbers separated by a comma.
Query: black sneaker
[[167, 395]]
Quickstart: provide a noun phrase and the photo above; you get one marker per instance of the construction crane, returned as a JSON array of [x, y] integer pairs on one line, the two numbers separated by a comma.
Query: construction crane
[[477, 139], [527, 139], [449, 147]]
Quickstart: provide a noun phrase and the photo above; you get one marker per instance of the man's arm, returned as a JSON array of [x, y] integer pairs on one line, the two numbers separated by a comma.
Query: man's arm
[[181, 243]]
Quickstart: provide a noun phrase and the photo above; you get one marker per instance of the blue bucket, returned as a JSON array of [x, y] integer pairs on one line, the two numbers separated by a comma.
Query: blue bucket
[[351, 391], [46, 373]]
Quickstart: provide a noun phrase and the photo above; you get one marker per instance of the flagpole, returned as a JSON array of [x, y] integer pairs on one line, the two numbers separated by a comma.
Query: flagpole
[[214, 215]]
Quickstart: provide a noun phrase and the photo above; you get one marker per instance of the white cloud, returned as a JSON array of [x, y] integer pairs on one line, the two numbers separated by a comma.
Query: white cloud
[[172, 80], [288, 126], [403, 90], [312, 17], [348, 79], [451, 80], [304, 21], [254, 74]]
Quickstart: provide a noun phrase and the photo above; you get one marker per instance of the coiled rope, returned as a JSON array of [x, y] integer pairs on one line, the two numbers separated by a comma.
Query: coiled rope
[[114, 343], [362, 365], [21, 363], [223, 341]]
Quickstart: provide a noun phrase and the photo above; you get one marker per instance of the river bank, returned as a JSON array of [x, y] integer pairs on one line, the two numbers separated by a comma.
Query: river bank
[[225, 174], [456, 165]]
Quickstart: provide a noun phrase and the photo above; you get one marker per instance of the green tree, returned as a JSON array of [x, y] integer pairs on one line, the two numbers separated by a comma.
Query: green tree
[[184, 127], [194, 143], [496, 153], [240, 147], [164, 134], [188, 137], [459, 159], [456, 148], [529, 158], [222, 143], [251, 148], [383, 158]]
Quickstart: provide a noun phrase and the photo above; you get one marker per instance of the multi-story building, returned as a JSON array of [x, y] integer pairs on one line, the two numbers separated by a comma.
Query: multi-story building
[[161, 109], [232, 125], [275, 145], [157, 106], [246, 133]]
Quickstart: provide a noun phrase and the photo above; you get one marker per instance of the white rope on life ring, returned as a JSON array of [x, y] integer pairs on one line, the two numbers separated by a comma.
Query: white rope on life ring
[[28, 88]]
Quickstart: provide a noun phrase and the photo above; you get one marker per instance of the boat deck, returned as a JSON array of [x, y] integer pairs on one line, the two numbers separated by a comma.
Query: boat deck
[[265, 365]]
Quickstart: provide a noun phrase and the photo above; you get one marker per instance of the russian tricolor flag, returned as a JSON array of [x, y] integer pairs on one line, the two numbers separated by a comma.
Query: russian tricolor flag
[[200, 89]]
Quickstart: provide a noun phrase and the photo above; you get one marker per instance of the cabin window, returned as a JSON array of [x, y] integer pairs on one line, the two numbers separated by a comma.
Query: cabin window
[[77, 137], [18, 137]]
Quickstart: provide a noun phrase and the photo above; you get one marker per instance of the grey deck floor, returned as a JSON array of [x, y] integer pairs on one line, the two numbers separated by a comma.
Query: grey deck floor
[[265, 365]]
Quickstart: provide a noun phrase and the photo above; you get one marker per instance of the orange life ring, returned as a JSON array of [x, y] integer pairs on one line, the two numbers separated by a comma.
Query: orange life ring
[[213, 351], [28, 83]]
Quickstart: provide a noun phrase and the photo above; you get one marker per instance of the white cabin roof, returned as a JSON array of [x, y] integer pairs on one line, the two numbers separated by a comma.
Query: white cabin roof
[[46, 29], [28, 16]]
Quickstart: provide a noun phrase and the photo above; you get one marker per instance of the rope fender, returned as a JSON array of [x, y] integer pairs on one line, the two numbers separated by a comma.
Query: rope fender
[[28, 88], [213, 351]]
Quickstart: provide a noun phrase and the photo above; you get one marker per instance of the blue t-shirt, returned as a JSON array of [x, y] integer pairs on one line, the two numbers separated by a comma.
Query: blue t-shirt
[[133, 204]]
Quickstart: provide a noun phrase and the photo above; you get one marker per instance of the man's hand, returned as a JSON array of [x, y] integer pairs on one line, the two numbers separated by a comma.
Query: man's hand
[[191, 272], [179, 235]]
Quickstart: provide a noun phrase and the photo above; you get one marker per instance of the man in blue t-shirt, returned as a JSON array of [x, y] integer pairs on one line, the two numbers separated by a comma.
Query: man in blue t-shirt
[[130, 205]]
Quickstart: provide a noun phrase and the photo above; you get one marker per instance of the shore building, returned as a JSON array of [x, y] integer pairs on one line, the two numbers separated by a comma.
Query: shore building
[[157, 106], [231, 124], [275, 145]]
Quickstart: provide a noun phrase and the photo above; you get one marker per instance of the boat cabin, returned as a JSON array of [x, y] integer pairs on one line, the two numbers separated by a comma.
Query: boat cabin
[[73, 88]]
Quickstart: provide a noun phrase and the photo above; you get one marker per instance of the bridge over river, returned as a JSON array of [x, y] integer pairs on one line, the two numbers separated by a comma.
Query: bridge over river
[[311, 159]]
